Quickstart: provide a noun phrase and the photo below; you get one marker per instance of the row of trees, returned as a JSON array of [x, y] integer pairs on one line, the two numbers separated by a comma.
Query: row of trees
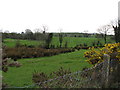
[[40, 34], [28, 34]]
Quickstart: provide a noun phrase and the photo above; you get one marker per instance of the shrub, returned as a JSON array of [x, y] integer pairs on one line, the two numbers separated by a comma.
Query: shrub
[[39, 77], [5, 64], [42, 77], [61, 72], [96, 56], [14, 64], [25, 52]]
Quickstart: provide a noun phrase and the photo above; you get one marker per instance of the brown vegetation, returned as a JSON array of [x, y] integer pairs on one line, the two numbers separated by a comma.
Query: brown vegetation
[[25, 52]]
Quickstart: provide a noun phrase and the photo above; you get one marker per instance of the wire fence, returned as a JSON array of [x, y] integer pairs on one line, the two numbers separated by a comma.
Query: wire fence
[[104, 74], [88, 78]]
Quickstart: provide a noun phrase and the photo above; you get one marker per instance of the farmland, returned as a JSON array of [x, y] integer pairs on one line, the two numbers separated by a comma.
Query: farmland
[[75, 60], [71, 41], [22, 76], [12, 42]]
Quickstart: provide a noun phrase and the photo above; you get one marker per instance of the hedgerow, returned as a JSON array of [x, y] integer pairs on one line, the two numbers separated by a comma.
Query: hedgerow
[[25, 52]]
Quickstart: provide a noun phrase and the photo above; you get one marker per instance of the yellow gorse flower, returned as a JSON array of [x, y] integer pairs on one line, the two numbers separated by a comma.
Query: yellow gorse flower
[[96, 56]]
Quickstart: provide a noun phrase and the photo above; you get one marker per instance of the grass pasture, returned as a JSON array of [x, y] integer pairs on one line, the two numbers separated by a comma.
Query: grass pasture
[[71, 41], [12, 42], [22, 76]]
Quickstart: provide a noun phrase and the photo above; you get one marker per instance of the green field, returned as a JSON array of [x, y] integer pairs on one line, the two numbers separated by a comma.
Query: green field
[[12, 42], [71, 41], [22, 76]]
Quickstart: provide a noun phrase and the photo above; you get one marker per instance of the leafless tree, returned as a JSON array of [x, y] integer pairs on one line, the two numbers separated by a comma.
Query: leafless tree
[[42, 29], [45, 28], [104, 30], [40, 33]]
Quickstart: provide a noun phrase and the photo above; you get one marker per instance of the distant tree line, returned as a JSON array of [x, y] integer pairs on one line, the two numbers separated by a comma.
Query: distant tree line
[[28, 34], [74, 34]]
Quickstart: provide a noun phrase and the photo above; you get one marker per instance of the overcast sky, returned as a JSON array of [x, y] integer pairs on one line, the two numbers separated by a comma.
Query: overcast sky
[[68, 15]]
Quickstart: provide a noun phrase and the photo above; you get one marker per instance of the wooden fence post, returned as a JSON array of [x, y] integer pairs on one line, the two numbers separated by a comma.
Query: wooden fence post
[[105, 71], [110, 72], [114, 76]]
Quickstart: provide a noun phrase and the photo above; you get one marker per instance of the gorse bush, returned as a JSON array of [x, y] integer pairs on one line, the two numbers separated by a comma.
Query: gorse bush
[[40, 77], [96, 56]]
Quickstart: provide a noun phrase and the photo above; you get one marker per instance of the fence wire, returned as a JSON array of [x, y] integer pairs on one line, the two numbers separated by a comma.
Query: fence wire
[[88, 78]]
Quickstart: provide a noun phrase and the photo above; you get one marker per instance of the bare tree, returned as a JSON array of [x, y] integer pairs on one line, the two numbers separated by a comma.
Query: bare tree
[[40, 33], [37, 30], [45, 28], [104, 30], [42, 29]]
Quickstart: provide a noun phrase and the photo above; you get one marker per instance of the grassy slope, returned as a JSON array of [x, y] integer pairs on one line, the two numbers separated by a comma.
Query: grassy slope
[[23, 75], [72, 41]]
